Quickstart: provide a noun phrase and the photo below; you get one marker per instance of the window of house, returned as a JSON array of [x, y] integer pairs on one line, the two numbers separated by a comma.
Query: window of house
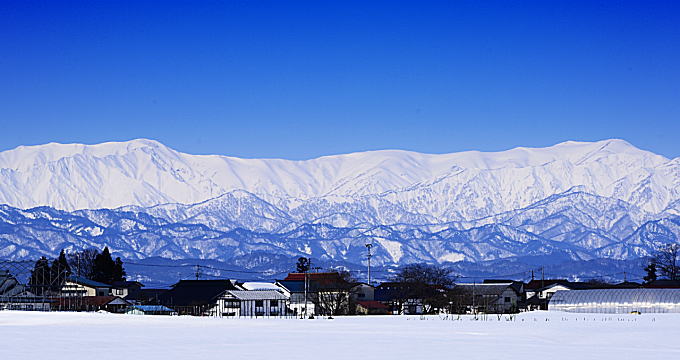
[[273, 303], [259, 303], [507, 299]]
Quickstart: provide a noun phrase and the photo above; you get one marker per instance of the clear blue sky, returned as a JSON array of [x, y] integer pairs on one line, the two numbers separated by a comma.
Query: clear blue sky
[[302, 79]]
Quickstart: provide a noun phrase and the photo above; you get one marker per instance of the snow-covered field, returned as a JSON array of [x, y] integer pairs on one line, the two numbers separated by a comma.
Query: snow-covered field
[[542, 335]]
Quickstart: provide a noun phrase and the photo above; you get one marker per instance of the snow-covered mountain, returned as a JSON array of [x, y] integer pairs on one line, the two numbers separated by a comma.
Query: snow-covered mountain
[[569, 202], [377, 186]]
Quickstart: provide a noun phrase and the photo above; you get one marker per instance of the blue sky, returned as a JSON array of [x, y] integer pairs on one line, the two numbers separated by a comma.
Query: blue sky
[[303, 79]]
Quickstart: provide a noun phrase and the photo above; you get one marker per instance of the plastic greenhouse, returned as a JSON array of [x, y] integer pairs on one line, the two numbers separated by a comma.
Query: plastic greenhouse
[[616, 301]]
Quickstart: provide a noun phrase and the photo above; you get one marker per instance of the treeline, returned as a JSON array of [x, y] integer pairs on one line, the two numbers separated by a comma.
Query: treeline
[[49, 276]]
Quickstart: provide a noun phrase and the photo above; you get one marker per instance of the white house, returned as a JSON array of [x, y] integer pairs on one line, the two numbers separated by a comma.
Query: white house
[[251, 303]]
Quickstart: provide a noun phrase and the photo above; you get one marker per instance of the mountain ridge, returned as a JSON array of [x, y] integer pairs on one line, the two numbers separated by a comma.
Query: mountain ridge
[[147, 173]]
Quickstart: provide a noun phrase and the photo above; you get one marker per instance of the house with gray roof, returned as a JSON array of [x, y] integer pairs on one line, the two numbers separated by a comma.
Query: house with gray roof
[[251, 303]]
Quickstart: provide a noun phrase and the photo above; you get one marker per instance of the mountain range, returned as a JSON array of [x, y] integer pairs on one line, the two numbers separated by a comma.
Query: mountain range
[[574, 201]]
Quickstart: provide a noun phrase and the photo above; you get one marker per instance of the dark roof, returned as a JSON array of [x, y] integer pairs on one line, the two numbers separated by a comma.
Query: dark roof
[[537, 284], [195, 292], [87, 282], [293, 286], [663, 284], [322, 280], [126, 284], [319, 281], [628, 285], [493, 289], [146, 295], [390, 291]]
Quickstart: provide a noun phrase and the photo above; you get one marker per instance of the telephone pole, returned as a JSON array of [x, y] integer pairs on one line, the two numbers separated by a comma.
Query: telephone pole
[[368, 249]]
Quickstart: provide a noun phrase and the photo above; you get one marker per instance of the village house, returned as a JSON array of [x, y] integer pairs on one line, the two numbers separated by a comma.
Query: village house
[[126, 288], [80, 286], [251, 303], [485, 298], [362, 292], [195, 297], [401, 298]]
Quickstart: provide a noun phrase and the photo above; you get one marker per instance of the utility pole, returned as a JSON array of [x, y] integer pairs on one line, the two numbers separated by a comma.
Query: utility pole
[[542, 277], [198, 271], [309, 266], [368, 249]]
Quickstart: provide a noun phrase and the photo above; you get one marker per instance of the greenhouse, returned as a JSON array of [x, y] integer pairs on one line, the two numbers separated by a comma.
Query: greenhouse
[[616, 301]]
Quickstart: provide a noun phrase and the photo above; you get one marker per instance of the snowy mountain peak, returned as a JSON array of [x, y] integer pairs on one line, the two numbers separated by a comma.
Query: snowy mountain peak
[[439, 187]]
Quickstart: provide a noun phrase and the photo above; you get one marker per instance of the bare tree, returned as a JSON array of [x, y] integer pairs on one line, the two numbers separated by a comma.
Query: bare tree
[[83, 263], [429, 283], [667, 262]]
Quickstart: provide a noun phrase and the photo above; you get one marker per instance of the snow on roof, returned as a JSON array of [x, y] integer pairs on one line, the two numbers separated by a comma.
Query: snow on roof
[[253, 285], [256, 294]]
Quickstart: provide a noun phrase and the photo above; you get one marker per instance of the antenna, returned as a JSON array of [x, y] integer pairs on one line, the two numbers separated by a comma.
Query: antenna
[[368, 249]]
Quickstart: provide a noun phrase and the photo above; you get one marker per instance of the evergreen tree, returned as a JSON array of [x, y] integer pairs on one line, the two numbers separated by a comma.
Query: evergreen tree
[[104, 267], [59, 271], [118, 270], [302, 265], [40, 276], [651, 272]]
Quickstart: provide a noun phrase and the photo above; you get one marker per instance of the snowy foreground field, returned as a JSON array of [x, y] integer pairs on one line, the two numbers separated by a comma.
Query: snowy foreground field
[[32, 335]]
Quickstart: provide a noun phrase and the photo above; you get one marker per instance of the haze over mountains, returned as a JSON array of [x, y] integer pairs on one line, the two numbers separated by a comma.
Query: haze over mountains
[[575, 201]]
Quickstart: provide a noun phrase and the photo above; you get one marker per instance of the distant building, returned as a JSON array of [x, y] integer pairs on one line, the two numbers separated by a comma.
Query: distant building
[[539, 292], [80, 286], [126, 288], [486, 297], [401, 298], [195, 297], [362, 292], [251, 303], [617, 301]]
